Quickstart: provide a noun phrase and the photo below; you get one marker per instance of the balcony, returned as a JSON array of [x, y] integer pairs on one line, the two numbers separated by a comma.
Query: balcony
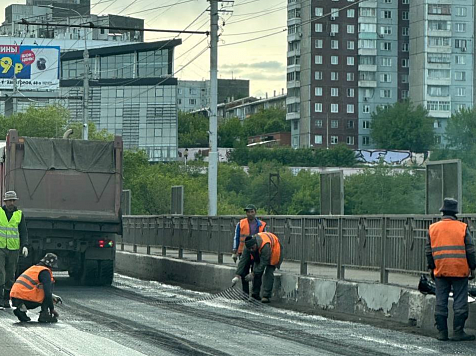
[[439, 33], [293, 116], [367, 83], [293, 84], [367, 51], [367, 67], [438, 81], [292, 100], [294, 37], [294, 52]]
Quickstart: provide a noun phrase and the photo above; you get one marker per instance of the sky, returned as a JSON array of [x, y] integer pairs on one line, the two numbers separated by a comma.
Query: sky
[[262, 61]]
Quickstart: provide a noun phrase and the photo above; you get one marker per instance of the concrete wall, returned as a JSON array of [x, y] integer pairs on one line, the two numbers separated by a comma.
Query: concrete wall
[[380, 301]]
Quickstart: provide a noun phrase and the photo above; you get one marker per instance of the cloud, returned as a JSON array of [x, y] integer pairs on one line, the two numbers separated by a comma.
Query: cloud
[[264, 76], [266, 65]]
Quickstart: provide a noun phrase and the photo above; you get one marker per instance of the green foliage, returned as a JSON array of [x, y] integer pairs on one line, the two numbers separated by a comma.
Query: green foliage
[[231, 133], [402, 127], [93, 133], [47, 121], [266, 121], [339, 156], [192, 130], [461, 130], [381, 190]]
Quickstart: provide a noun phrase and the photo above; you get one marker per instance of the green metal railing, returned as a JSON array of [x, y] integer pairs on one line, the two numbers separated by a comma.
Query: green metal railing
[[385, 243]]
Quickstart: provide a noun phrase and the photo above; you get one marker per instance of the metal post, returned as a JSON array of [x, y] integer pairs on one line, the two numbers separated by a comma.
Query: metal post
[[383, 253], [303, 247], [340, 249], [213, 153]]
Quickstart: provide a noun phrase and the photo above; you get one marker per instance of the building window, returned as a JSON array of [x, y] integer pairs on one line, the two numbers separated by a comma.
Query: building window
[[350, 124], [386, 62], [334, 28], [404, 78], [350, 92], [334, 76], [404, 47], [318, 123], [119, 112], [119, 93], [350, 140], [460, 27], [318, 27], [334, 60], [437, 124], [334, 91], [366, 109], [386, 30], [179, 101], [334, 140], [404, 15], [365, 140], [334, 44], [350, 13], [460, 107], [366, 124], [334, 108], [404, 31], [404, 94], [460, 76], [350, 77], [386, 78], [350, 45], [318, 139], [334, 124], [461, 11], [437, 139], [461, 91], [192, 101], [334, 12], [350, 29], [385, 93], [405, 2], [386, 14], [318, 44], [460, 60], [318, 91], [460, 44], [350, 108], [350, 61], [318, 107], [319, 11], [318, 75], [386, 46], [405, 62], [318, 59]]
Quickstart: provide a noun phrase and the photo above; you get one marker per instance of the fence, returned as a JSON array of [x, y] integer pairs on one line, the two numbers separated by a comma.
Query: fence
[[385, 243]]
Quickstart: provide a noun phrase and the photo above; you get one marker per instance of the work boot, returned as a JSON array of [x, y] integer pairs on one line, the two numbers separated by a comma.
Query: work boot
[[6, 304], [254, 297], [6, 298], [458, 329], [442, 326], [265, 300], [21, 315], [46, 317]]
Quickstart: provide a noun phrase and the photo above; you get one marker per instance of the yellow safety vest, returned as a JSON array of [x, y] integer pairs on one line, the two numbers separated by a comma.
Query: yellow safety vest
[[9, 234]]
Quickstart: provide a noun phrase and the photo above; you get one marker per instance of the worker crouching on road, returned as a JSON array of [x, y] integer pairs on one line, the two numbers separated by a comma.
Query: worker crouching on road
[[267, 253], [451, 255], [34, 288]]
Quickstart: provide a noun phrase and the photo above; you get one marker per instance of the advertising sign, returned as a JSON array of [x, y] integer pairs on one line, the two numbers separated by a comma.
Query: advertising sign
[[34, 67]]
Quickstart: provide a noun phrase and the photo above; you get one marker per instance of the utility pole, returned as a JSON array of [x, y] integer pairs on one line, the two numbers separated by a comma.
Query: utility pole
[[213, 140]]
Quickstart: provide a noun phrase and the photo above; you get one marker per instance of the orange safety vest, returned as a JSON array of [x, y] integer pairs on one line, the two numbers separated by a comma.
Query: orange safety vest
[[273, 241], [245, 231], [448, 248], [28, 286]]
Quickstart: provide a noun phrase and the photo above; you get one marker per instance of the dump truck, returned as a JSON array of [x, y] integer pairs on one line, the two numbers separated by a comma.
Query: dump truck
[[70, 193]]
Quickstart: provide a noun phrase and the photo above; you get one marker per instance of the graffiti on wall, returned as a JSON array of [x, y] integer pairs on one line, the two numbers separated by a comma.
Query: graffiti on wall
[[395, 157]]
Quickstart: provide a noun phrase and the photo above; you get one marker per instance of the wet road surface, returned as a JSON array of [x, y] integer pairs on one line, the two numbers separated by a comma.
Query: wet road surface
[[136, 318]]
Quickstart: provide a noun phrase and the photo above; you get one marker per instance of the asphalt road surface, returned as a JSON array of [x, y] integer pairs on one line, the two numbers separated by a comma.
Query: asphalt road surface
[[136, 318]]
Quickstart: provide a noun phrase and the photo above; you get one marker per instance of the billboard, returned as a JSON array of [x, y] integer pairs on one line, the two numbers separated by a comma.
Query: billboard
[[332, 193], [443, 180], [35, 67]]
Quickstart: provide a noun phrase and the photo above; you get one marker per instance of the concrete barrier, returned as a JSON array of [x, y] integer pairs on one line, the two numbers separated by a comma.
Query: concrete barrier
[[381, 301]]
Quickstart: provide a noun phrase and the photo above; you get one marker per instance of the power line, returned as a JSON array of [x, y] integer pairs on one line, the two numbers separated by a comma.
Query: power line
[[253, 39], [160, 7]]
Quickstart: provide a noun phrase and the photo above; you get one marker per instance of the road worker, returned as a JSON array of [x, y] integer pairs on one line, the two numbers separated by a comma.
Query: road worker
[[247, 226], [451, 258], [34, 288], [267, 251], [13, 238]]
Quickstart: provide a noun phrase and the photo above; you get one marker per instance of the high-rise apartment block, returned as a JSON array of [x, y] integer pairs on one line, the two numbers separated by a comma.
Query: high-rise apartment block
[[345, 59]]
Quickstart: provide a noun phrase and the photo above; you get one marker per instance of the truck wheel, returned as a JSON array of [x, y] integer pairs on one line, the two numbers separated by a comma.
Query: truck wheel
[[106, 272], [90, 274]]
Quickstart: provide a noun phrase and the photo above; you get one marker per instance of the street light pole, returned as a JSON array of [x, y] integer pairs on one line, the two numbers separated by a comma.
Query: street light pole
[[85, 75]]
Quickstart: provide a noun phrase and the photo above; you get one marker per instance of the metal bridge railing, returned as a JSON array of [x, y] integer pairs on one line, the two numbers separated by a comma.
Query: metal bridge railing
[[385, 243]]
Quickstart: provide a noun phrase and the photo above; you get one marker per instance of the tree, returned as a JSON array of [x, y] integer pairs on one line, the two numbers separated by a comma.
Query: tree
[[402, 127], [49, 121], [192, 130], [461, 130], [230, 133], [93, 133], [257, 124]]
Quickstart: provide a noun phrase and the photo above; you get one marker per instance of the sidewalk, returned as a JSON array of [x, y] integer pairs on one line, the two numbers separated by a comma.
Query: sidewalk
[[327, 272]]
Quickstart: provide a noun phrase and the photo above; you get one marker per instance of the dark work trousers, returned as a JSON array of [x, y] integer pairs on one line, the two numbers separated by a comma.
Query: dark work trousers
[[460, 296], [267, 278], [29, 304], [8, 267], [246, 284]]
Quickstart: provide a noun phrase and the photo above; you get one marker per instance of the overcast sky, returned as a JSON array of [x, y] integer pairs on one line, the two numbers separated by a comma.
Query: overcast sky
[[262, 61]]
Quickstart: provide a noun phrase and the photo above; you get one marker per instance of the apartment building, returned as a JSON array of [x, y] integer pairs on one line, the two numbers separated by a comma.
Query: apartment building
[[345, 59], [441, 57]]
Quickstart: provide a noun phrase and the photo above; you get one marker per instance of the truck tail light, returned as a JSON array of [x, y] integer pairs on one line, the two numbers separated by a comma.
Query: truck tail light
[[105, 243]]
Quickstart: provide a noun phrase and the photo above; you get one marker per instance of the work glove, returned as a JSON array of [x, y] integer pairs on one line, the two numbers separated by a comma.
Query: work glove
[[57, 299], [24, 251], [249, 277], [54, 313], [432, 274], [235, 280], [471, 275], [234, 256]]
